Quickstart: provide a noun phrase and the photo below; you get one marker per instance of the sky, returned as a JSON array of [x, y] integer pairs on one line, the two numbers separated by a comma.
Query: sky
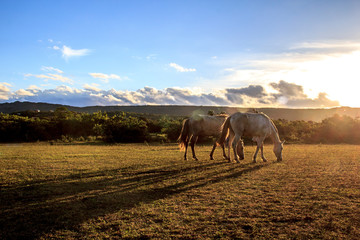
[[245, 53]]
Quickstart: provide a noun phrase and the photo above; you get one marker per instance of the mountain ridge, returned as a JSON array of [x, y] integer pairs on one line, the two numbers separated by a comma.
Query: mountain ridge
[[309, 114]]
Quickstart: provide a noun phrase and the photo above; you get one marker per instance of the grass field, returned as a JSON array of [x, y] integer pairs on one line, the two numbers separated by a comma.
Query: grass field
[[144, 192]]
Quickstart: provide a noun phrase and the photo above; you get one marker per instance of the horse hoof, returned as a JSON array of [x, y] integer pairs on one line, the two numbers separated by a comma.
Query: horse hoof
[[264, 160], [254, 161]]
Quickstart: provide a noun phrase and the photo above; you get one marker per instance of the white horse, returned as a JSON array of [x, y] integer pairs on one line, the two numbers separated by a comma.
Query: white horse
[[256, 125], [203, 125]]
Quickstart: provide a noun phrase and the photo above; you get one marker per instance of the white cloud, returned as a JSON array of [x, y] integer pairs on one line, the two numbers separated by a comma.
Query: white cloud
[[5, 91], [92, 87], [105, 77], [51, 69], [54, 74], [285, 95], [34, 89], [6, 84], [68, 52], [330, 45], [179, 68], [23, 93], [57, 77], [51, 76]]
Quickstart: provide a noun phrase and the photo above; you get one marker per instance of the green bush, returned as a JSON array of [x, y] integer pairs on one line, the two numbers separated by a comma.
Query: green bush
[[171, 128], [65, 125], [121, 128]]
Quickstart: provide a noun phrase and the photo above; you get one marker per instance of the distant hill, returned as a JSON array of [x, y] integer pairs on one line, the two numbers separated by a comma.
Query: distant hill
[[175, 110]]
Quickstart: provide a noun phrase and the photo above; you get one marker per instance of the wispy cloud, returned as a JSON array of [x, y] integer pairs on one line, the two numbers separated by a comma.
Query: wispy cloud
[[105, 77], [34, 88], [93, 87], [179, 68], [151, 57], [51, 69], [54, 74], [334, 45], [6, 84], [51, 76], [68, 52]]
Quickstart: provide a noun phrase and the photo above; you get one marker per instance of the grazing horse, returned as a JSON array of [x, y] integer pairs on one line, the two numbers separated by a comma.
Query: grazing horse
[[202, 125], [256, 125]]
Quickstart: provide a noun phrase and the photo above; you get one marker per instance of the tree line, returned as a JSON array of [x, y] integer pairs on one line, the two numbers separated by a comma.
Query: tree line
[[67, 126]]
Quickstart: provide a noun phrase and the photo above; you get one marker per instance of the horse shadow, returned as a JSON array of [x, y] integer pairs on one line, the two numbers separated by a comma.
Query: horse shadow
[[32, 209]]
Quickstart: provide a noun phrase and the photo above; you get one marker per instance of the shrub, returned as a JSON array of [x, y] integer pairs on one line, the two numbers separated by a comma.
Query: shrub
[[120, 128]]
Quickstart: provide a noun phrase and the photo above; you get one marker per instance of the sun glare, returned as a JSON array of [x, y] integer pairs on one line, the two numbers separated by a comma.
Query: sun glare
[[338, 76]]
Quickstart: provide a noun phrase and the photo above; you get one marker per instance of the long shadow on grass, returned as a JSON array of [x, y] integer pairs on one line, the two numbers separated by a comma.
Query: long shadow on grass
[[30, 210]]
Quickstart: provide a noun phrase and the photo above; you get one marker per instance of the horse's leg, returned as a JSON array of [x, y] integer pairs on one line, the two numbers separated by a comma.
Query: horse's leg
[[262, 151], [223, 149], [258, 146], [192, 144], [255, 154], [234, 145], [186, 147], [240, 149], [229, 142], [212, 151]]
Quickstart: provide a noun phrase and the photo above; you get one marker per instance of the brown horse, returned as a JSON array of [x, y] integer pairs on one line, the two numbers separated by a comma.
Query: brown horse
[[202, 125], [257, 125]]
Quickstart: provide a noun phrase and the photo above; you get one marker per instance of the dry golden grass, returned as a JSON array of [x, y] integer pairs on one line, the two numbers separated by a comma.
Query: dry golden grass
[[139, 191]]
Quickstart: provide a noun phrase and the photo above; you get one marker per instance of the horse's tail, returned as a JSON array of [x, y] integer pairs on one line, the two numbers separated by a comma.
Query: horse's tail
[[184, 134], [224, 132]]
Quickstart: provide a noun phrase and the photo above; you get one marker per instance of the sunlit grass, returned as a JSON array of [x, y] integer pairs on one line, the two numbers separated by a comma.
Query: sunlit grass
[[141, 191]]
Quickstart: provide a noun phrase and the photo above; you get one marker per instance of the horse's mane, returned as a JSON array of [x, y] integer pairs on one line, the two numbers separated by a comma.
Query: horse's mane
[[273, 124], [271, 121]]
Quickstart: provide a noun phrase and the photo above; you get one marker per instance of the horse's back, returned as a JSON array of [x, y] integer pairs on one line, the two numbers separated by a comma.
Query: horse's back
[[252, 124], [207, 125], [238, 122]]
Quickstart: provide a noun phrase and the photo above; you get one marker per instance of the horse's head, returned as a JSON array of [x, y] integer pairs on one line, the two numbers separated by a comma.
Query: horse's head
[[278, 150]]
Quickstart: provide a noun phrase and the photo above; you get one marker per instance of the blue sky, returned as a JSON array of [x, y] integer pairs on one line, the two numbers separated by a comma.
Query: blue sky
[[239, 53]]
